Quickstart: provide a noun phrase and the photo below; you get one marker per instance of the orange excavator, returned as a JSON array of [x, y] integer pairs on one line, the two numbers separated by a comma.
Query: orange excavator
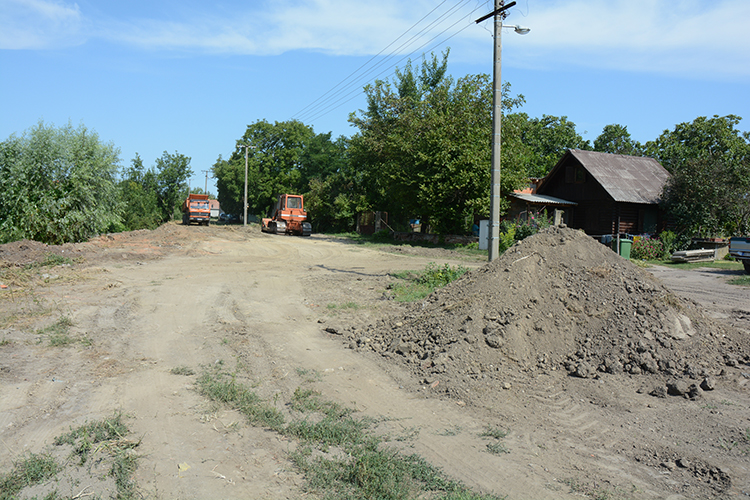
[[289, 217]]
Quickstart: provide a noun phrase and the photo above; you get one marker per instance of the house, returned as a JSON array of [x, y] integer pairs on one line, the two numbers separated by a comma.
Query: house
[[215, 208], [525, 202], [610, 193]]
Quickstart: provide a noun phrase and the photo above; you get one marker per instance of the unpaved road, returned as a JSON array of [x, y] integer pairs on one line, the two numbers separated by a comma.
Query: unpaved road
[[192, 297]]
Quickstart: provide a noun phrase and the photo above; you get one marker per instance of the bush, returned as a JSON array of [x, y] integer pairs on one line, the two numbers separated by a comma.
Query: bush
[[648, 249]]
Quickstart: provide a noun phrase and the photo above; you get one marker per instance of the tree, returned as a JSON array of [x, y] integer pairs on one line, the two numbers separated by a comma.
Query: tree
[[140, 201], [616, 139], [545, 139], [173, 171], [423, 147], [58, 185], [274, 166], [709, 160]]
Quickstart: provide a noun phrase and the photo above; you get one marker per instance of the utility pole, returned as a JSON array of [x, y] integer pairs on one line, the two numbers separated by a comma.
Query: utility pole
[[205, 189], [497, 116], [244, 202]]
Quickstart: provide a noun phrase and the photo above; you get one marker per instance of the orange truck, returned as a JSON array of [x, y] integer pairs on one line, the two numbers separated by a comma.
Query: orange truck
[[289, 217], [196, 209]]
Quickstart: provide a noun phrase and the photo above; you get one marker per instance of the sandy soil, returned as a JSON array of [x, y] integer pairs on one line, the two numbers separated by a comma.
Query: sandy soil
[[280, 308]]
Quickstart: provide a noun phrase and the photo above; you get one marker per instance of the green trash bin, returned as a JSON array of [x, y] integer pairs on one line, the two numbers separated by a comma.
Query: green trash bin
[[625, 246]]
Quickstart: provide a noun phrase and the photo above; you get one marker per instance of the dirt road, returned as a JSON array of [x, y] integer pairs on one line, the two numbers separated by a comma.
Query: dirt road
[[143, 305]]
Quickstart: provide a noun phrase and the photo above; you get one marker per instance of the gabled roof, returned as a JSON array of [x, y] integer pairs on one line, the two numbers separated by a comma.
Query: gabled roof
[[627, 179]]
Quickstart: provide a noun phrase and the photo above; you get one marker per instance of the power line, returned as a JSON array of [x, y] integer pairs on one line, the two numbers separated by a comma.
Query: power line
[[346, 92]]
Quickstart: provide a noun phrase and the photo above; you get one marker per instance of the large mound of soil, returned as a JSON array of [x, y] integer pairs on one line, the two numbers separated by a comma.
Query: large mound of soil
[[557, 300]]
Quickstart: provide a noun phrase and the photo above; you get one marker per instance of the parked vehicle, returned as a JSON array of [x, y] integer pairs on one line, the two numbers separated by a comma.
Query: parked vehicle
[[739, 248], [196, 209], [289, 217]]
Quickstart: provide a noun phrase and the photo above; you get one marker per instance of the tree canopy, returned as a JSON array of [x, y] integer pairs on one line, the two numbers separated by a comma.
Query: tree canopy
[[423, 146], [58, 185], [709, 160]]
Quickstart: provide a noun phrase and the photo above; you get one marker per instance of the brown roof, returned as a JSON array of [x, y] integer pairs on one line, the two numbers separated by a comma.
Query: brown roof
[[627, 179]]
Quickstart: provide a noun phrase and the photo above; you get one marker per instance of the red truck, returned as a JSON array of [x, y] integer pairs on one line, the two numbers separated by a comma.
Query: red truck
[[196, 209]]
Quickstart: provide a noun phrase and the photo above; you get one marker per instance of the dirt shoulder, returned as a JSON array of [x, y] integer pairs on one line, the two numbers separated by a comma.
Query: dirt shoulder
[[275, 310]]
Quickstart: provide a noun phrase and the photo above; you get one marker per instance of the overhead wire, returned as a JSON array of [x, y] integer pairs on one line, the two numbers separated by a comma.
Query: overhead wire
[[324, 105]]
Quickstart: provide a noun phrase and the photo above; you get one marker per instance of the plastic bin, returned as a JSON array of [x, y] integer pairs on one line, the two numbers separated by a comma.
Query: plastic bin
[[625, 246]]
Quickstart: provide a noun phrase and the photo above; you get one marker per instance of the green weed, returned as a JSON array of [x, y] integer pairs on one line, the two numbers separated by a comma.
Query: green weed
[[362, 467], [494, 432], [182, 370], [58, 333], [419, 284], [30, 470]]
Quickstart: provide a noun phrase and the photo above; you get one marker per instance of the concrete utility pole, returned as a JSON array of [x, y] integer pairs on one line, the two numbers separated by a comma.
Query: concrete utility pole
[[205, 188], [244, 202], [497, 115]]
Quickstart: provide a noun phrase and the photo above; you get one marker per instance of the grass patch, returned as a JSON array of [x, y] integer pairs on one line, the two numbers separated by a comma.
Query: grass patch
[[339, 453], [219, 386], [106, 436], [30, 470], [417, 285], [496, 447], [347, 305], [58, 333], [742, 281], [182, 370], [717, 264]]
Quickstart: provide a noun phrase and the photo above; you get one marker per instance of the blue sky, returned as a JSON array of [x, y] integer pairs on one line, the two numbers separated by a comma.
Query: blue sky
[[189, 75]]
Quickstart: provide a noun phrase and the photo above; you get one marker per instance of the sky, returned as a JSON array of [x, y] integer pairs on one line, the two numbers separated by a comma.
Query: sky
[[189, 76]]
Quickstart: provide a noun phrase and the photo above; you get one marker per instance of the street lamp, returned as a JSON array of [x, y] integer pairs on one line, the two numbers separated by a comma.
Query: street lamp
[[497, 113], [244, 204]]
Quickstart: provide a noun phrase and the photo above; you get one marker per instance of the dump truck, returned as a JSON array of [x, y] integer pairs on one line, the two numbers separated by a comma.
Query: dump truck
[[196, 209], [289, 217], [739, 248]]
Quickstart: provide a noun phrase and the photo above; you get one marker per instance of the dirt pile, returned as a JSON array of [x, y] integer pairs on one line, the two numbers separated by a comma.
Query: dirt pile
[[558, 300]]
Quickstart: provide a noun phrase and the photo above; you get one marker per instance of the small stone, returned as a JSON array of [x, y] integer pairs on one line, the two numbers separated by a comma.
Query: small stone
[[669, 465], [684, 463], [708, 384], [677, 388], [659, 392], [507, 385]]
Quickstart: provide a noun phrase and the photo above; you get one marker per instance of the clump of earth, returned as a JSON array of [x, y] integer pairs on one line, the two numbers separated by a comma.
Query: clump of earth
[[558, 300]]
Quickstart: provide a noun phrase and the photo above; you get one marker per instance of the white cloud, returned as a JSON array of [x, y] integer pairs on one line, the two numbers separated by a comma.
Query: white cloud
[[39, 24], [681, 37], [685, 37]]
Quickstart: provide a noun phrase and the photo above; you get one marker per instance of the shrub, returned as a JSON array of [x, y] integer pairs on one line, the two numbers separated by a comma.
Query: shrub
[[648, 249]]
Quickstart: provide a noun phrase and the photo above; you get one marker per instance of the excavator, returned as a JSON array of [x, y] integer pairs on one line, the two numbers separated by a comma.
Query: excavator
[[289, 217]]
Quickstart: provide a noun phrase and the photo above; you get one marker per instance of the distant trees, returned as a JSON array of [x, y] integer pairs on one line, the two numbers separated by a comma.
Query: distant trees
[[58, 185], [616, 139], [709, 192]]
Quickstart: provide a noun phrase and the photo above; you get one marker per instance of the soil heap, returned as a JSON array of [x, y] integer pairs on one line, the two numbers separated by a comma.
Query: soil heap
[[556, 300]]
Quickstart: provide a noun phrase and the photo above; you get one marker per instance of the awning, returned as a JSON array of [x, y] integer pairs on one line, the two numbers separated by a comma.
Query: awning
[[542, 199]]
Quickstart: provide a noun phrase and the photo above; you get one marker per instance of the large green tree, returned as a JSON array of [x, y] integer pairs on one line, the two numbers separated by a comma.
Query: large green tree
[[58, 185], [424, 146], [276, 165], [544, 141], [709, 160], [172, 174], [616, 139], [139, 195]]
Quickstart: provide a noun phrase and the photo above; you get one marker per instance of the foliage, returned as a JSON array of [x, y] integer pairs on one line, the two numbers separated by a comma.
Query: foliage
[[363, 467], [616, 139], [543, 141], [709, 159], [512, 231], [669, 240], [58, 185], [423, 146], [275, 166], [172, 173], [139, 195], [648, 249], [420, 284]]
